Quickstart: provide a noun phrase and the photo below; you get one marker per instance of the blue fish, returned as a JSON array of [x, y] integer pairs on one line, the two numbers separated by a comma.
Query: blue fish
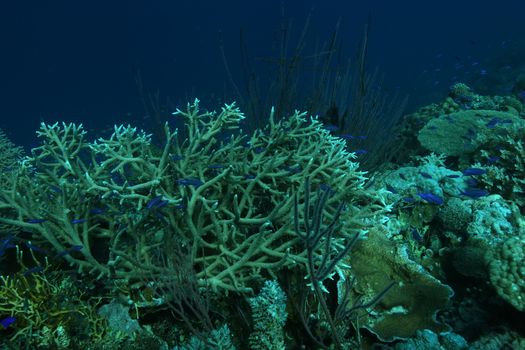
[[36, 248], [6, 244], [55, 189], [474, 171], [161, 204], [96, 211], [453, 176], [493, 122], [216, 166], [78, 221], [409, 199], [360, 151], [474, 192], [36, 221], [425, 175], [293, 169], [431, 198], [390, 188], [32, 270], [153, 202], [190, 182], [6, 322]]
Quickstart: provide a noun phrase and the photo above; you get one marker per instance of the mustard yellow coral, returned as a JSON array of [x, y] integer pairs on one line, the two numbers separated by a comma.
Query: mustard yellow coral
[[45, 302]]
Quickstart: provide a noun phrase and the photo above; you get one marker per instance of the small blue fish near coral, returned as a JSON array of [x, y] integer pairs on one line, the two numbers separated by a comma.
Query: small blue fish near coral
[[32, 270], [6, 244], [431, 198], [475, 193], [96, 211], [493, 122], [425, 175], [36, 221], [153, 202], [216, 166], [474, 171], [36, 248], [6, 322], [190, 182], [391, 189]]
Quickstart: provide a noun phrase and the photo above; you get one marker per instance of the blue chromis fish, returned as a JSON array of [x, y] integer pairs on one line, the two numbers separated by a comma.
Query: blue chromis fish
[[190, 182], [431, 198], [153, 202], [475, 193], [36, 221], [7, 321], [35, 269], [474, 171]]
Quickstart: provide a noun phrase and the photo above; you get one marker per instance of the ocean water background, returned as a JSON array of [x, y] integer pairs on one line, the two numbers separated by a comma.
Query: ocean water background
[[78, 61]]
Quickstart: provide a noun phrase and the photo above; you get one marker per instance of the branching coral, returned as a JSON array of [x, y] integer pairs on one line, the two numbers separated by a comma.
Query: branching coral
[[110, 203]]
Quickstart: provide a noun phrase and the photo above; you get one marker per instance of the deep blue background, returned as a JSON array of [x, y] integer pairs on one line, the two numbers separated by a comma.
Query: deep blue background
[[77, 60]]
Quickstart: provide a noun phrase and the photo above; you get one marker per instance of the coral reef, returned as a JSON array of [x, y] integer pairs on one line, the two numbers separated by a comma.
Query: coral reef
[[169, 243]]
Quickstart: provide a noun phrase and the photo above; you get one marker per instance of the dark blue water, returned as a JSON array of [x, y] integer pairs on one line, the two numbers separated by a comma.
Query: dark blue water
[[77, 61]]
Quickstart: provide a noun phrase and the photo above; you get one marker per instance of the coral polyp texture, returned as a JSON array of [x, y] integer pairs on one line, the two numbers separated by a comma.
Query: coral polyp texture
[[107, 205]]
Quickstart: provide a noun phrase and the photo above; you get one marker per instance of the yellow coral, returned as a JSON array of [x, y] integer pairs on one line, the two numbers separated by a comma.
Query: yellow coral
[[45, 300]]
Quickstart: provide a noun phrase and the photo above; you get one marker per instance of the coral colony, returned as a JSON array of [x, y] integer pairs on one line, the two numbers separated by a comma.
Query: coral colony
[[269, 240]]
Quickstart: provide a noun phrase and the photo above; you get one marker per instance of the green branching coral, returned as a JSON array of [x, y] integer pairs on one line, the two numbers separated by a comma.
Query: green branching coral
[[226, 196]]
